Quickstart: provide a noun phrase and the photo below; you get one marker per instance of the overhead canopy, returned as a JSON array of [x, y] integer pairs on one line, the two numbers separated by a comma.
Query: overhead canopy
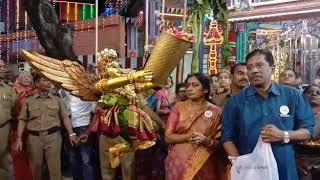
[[278, 12]]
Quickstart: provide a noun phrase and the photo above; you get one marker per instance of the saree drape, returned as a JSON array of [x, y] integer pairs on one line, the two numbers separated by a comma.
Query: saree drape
[[188, 161]]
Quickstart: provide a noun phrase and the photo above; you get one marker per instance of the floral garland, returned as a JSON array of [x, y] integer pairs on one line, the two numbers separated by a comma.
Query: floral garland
[[181, 35]]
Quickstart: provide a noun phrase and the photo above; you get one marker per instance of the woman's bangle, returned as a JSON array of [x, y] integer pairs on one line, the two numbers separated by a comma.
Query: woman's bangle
[[190, 139]]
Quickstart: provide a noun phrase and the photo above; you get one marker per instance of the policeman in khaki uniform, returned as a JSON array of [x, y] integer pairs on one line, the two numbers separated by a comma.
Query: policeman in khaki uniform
[[41, 117], [7, 101]]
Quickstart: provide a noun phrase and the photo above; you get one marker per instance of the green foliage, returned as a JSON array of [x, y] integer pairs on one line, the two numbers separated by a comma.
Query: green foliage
[[199, 9], [202, 6], [109, 100]]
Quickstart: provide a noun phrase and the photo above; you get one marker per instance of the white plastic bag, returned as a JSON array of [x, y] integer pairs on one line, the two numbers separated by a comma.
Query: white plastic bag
[[260, 164]]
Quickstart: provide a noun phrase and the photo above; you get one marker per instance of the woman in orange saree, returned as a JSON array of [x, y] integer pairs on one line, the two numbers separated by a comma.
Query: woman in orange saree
[[192, 131], [23, 87]]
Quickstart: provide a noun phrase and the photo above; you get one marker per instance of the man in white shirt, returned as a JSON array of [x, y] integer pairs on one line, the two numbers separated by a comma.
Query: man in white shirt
[[80, 155]]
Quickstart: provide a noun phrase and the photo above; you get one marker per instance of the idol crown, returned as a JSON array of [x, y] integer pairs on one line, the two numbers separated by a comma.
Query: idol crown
[[107, 56]]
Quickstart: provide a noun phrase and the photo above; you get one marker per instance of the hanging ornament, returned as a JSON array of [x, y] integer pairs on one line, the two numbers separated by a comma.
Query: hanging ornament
[[213, 38]]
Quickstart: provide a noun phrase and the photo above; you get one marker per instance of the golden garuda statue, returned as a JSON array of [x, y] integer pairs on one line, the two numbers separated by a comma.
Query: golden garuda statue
[[71, 76], [116, 87]]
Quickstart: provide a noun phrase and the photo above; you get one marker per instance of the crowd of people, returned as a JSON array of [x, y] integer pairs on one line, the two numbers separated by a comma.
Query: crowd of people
[[202, 127]]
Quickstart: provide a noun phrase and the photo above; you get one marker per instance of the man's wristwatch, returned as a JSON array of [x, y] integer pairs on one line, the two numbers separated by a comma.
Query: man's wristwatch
[[286, 137], [232, 159]]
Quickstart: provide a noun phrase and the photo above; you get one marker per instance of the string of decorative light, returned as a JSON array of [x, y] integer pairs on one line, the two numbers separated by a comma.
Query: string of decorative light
[[54, 4], [83, 15], [34, 43], [68, 11], [1, 36], [91, 16], [103, 22], [17, 28], [1, 40], [76, 12], [8, 24], [25, 30], [75, 19], [108, 9], [60, 10], [73, 2]]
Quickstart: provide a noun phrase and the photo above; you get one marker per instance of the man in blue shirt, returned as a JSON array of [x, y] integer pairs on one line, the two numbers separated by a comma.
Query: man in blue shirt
[[277, 113]]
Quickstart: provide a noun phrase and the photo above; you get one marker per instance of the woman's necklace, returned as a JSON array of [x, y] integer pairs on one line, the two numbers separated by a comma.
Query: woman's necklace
[[195, 109]]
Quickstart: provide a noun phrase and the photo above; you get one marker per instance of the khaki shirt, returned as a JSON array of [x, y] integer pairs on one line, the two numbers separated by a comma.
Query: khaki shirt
[[8, 99], [43, 113]]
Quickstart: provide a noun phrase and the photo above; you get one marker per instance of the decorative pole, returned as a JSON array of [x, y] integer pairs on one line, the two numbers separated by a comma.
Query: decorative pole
[[201, 48], [184, 15], [162, 11]]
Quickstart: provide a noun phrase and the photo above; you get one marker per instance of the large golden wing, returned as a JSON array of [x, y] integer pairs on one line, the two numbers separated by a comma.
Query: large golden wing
[[66, 74]]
